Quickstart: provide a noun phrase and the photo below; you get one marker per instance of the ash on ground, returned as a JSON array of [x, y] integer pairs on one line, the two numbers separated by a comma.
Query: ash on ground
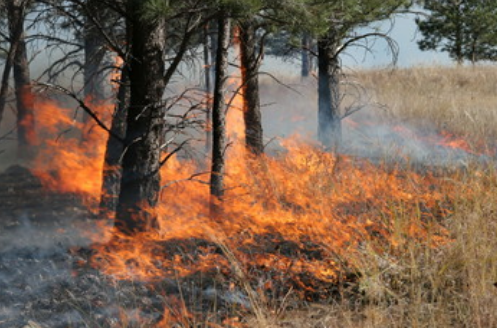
[[46, 279]]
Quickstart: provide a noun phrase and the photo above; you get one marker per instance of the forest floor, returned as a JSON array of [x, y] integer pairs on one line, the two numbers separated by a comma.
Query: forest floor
[[37, 229], [47, 280]]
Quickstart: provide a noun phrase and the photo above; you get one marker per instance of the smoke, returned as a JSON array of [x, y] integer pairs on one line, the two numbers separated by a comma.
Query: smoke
[[38, 276], [405, 143], [34, 262], [291, 110]]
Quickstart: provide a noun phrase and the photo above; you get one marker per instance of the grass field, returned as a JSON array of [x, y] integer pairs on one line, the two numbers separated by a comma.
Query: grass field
[[460, 100], [419, 285]]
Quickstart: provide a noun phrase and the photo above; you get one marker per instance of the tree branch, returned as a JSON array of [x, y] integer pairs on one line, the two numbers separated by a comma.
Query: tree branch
[[82, 104]]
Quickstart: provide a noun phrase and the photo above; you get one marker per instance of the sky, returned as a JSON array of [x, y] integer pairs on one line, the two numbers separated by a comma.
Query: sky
[[403, 30]]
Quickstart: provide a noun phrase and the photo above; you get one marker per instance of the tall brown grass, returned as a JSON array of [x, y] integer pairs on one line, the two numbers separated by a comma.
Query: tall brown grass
[[416, 284], [454, 285], [462, 100]]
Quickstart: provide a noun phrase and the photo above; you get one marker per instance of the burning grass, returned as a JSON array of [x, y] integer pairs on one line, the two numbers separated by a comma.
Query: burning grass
[[313, 239], [302, 212]]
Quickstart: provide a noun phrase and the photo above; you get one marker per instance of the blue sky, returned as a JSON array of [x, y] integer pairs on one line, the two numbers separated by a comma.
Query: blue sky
[[404, 31]]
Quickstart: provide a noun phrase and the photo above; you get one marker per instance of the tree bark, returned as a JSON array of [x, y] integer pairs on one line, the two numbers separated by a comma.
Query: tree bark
[[26, 134], [250, 63], [329, 121], [140, 182], [114, 150], [9, 62], [208, 87], [218, 112], [94, 49], [306, 61]]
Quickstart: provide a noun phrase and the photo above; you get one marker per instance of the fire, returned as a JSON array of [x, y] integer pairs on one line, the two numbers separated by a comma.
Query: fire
[[115, 74], [65, 163], [451, 141], [444, 139], [234, 118], [300, 213], [297, 219]]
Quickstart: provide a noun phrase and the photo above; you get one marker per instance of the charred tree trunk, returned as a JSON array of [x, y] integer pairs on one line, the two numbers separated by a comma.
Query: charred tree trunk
[[250, 62], [114, 151], [213, 40], [140, 182], [94, 50], [26, 135], [208, 87], [218, 112], [9, 62], [329, 121], [306, 61]]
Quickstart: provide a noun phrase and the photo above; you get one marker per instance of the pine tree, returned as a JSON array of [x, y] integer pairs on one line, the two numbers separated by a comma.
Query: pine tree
[[250, 59], [465, 29], [17, 11], [218, 111], [145, 123], [334, 24]]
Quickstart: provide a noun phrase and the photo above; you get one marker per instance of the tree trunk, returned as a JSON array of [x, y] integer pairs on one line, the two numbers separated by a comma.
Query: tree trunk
[[140, 182], [9, 62], [114, 151], [459, 37], [213, 40], [329, 122], [250, 62], [26, 134], [306, 61], [473, 51], [94, 50], [218, 112], [208, 88]]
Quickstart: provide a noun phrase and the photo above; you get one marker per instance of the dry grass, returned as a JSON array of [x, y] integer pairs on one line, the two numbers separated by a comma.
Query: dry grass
[[418, 285], [460, 100], [414, 284], [422, 286]]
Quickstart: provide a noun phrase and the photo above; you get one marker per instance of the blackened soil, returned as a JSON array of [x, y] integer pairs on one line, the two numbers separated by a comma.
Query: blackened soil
[[46, 279]]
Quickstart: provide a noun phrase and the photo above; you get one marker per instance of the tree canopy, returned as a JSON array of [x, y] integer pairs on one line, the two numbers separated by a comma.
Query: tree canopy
[[465, 29]]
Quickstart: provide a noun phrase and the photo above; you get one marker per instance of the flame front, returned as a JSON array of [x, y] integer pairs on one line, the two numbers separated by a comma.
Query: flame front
[[297, 218], [66, 163]]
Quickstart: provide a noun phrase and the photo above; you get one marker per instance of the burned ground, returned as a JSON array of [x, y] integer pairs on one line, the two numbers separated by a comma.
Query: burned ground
[[47, 275]]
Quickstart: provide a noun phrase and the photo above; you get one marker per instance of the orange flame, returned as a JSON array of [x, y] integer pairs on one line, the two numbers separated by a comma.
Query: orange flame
[[65, 164], [303, 212]]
